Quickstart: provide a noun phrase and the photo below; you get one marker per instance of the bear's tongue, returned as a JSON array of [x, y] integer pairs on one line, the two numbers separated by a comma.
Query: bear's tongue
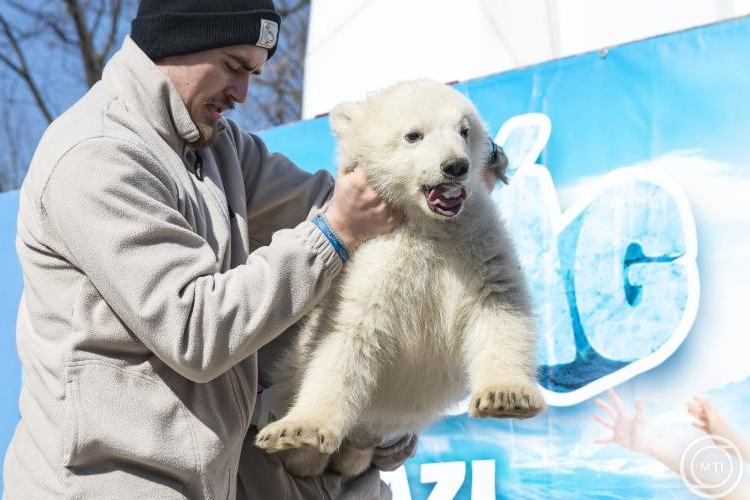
[[446, 199]]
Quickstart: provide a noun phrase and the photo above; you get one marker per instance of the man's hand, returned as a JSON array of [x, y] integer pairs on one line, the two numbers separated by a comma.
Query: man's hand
[[357, 212], [497, 164], [392, 457], [489, 177]]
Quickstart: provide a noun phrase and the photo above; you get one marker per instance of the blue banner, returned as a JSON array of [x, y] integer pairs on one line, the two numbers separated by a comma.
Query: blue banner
[[629, 202]]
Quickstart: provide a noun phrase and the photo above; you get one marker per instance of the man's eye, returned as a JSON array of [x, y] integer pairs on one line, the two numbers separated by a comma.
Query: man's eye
[[230, 69], [413, 136]]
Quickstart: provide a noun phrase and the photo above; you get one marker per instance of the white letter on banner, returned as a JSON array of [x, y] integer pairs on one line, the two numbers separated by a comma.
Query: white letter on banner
[[483, 480], [632, 264], [531, 212], [447, 476], [615, 275], [398, 482]]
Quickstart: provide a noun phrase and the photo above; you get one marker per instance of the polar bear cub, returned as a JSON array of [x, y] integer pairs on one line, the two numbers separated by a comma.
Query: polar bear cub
[[419, 316]]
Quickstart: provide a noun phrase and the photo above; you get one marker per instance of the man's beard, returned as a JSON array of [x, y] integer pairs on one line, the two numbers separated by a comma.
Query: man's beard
[[208, 132]]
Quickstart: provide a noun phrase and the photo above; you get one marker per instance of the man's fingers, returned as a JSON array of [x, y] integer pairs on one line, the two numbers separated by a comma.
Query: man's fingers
[[392, 457], [408, 441], [396, 216], [383, 209], [358, 212], [372, 199], [368, 195], [360, 178], [357, 178]]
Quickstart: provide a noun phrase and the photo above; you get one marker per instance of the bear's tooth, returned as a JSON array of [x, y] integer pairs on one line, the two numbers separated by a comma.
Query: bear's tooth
[[452, 192]]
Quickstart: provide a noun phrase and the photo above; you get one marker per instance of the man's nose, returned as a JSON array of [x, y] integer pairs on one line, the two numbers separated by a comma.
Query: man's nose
[[238, 91]]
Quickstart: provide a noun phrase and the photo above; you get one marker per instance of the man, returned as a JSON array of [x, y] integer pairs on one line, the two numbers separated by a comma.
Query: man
[[161, 247]]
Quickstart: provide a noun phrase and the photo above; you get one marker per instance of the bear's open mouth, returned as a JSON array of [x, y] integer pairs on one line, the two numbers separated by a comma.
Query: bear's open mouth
[[445, 199]]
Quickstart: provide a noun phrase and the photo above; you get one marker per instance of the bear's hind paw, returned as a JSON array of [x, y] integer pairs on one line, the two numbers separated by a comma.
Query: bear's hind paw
[[287, 434]]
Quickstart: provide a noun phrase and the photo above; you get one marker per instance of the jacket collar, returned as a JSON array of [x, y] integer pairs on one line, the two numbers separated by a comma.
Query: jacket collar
[[150, 93]]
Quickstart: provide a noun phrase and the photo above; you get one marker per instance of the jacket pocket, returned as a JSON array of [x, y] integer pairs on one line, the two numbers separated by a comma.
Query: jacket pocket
[[239, 397], [126, 435]]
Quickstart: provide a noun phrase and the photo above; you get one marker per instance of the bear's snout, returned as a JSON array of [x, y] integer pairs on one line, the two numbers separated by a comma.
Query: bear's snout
[[455, 167]]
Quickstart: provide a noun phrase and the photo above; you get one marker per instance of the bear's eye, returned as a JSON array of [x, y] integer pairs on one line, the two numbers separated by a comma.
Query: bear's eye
[[465, 132], [413, 137]]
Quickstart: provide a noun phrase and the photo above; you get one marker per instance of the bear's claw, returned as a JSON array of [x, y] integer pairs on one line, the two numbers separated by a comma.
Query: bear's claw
[[516, 400], [287, 434]]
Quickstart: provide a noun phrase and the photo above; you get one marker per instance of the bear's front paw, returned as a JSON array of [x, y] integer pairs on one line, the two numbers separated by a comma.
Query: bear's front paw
[[286, 434], [511, 400]]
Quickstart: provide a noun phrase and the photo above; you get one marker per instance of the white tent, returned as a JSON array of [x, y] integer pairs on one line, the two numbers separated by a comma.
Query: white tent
[[357, 46]]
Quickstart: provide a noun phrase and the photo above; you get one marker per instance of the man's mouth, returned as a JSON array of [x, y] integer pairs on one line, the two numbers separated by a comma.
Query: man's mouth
[[445, 199], [217, 106], [215, 111]]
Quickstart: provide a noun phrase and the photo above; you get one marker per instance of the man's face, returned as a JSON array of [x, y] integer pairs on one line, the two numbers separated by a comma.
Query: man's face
[[210, 82]]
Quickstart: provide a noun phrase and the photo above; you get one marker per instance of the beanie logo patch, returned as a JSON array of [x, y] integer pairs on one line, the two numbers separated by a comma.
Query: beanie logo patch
[[269, 33]]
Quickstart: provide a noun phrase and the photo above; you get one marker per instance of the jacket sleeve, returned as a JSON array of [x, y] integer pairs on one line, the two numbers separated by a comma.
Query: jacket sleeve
[[279, 194], [112, 211]]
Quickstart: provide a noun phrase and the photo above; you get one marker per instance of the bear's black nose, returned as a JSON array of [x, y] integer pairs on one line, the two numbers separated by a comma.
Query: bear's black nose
[[455, 168]]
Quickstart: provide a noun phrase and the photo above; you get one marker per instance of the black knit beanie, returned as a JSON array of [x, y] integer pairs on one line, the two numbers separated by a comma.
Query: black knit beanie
[[165, 28]]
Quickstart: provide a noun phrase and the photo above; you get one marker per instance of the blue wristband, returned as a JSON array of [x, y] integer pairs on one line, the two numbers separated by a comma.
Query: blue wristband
[[337, 245]]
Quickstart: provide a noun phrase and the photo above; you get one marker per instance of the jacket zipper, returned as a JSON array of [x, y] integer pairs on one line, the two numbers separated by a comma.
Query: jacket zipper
[[198, 166], [199, 175]]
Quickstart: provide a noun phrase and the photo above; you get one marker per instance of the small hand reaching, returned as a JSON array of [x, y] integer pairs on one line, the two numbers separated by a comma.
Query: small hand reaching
[[709, 420], [631, 433], [627, 431]]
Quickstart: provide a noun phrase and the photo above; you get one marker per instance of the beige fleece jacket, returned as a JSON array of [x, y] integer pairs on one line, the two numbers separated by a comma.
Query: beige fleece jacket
[[148, 291]]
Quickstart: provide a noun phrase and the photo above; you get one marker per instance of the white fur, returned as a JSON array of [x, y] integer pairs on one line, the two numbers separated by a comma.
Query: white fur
[[418, 316]]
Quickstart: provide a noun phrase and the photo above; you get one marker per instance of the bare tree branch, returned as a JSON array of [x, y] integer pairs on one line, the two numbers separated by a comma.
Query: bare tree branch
[[48, 21], [112, 38], [45, 43], [98, 18], [278, 93], [22, 69], [288, 10], [85, 45], [14, 135]]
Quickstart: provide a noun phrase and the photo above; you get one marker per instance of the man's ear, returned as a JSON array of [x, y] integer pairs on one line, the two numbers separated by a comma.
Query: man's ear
[[343, 115]]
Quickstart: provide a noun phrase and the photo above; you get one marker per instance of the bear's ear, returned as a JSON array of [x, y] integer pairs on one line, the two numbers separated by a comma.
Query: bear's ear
[[342, 116]]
